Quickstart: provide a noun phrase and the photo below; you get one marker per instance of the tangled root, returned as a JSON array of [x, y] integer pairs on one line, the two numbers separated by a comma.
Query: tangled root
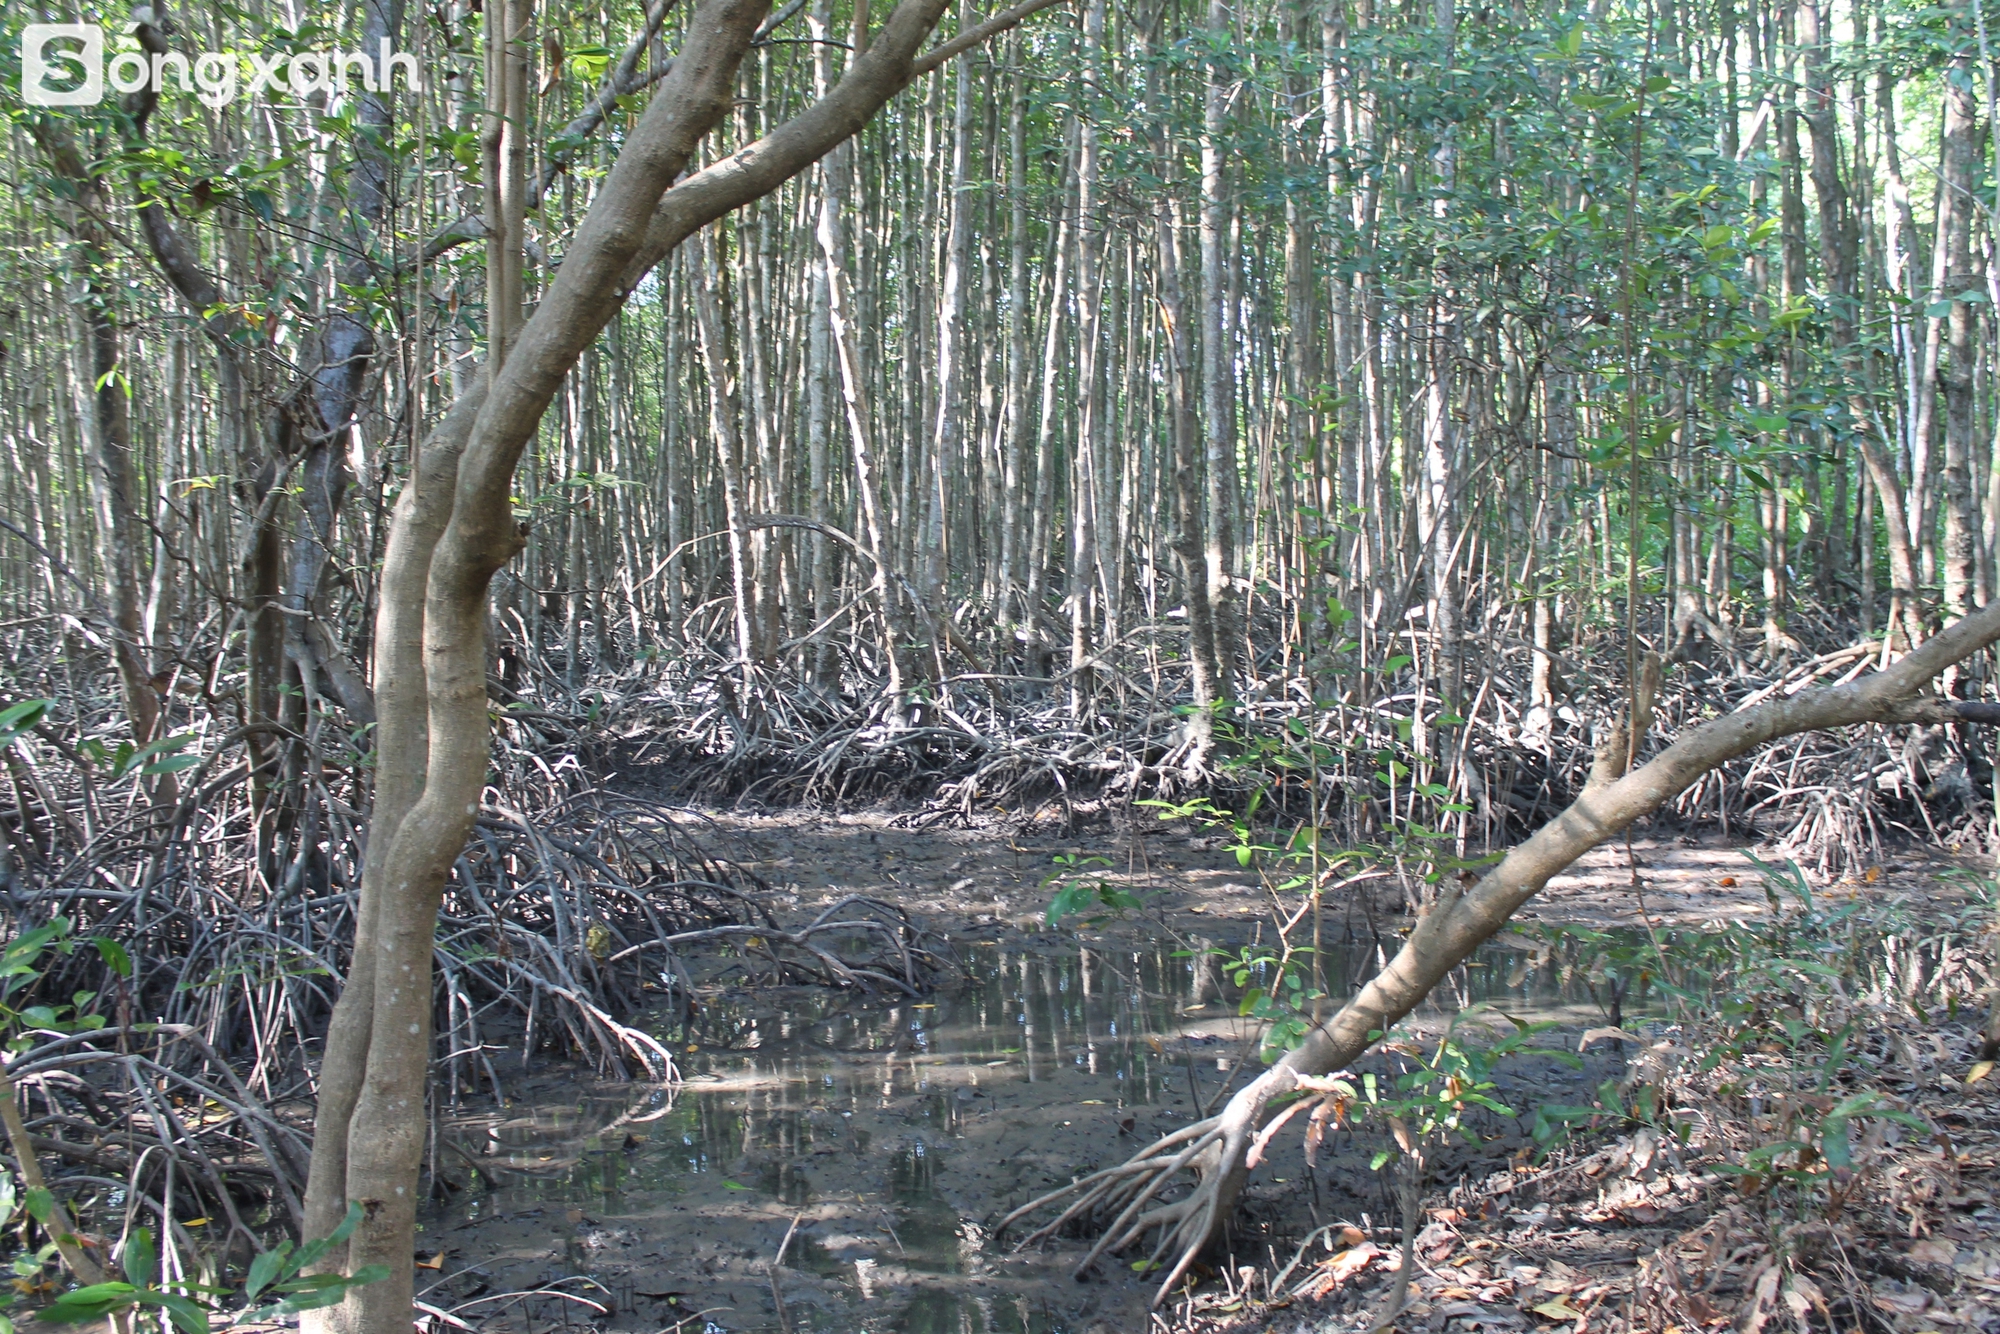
[[1114, 1200]]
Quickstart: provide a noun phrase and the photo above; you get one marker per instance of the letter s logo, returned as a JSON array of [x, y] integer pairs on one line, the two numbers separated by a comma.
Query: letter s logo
[[42, 69]]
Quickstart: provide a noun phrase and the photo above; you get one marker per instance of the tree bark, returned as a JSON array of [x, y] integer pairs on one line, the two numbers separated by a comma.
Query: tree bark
[[1955, 206], [1218, 385], [454, 529]]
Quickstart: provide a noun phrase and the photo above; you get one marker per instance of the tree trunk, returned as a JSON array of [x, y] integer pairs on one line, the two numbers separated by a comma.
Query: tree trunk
[[1084, 519], [113, 479], [455, 528], [725, 421], [1217, 1149], [1218, 384], [1187, 540], [1840, 260], [1955, 206]]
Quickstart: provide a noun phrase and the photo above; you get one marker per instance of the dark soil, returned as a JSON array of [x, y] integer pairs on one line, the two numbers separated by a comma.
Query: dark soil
[[875, 1142]]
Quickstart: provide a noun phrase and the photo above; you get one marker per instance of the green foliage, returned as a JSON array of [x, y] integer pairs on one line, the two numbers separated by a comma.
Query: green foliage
[[150, 760], [1241, 829], [21, 968], [275, 1287], [16, 719], [1439, 1086], [1768, 1009], [1081, 893], [1283, 998]]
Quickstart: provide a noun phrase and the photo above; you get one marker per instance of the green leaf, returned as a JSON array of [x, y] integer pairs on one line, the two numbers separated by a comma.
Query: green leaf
[[312, 1250], [330, 1293], [141, 1259], [266, 1269], [1073, 897], [114, 955], [18, 718], [41, 1205], [91, 1303], [187, 1316]]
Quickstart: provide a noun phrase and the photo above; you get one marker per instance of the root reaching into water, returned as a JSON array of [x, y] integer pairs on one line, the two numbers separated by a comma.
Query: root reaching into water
[[1219, 1152]]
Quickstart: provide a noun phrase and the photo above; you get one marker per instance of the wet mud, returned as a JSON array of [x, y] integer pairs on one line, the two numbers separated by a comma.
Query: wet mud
[[836, 1162]]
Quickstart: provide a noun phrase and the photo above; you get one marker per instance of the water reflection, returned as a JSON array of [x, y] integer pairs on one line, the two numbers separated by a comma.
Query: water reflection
[[797, 1100]]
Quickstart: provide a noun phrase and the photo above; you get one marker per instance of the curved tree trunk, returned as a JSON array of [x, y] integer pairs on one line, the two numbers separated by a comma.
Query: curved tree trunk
[[1217, 1151], [454, 528]]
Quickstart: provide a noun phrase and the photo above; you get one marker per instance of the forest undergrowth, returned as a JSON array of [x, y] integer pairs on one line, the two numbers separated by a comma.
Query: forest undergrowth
[[1364, 749], [1322, 422], [1806, 1128], [209, 878], [1799, 1137]]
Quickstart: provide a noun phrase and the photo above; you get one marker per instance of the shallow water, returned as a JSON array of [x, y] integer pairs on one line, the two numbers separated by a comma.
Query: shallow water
[[890, 1131]]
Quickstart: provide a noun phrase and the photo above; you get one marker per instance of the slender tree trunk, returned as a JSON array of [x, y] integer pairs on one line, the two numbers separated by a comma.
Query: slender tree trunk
[[947, 428], [724, 420], [1188, 543], [1084, 519], [1955, 209], [114, 480], [1015, 404], [1840, 261], [860, 419], [1218, 388]]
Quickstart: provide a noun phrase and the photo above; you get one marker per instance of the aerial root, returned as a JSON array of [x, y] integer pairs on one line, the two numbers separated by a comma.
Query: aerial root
[[1211, 1150], [1123, 1191], [1134, 1180]]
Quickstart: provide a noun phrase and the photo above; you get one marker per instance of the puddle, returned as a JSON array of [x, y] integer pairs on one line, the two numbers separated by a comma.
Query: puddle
[[873, 1140]]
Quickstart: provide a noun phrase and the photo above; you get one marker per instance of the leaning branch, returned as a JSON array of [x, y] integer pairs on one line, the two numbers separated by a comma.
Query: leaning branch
[[890, 64], [1460, 924], [972, 37]]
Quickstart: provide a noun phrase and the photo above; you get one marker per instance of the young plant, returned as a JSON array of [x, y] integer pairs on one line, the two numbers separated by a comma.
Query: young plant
[[1284, 996], [275, 1287], [274, 1276], [1082, 893]]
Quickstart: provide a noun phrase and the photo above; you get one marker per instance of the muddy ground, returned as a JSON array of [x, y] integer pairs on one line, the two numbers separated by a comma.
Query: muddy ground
[[836, 1163]]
